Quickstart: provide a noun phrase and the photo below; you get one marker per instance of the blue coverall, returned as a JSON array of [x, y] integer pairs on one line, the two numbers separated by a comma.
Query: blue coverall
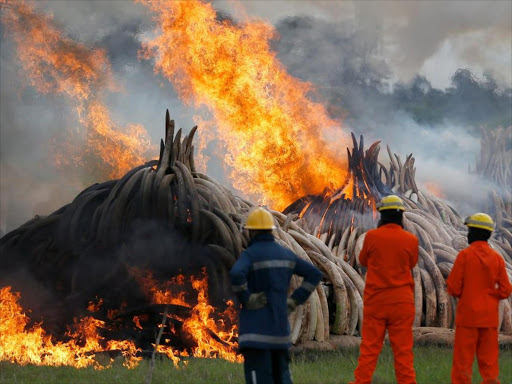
[[264, 334]]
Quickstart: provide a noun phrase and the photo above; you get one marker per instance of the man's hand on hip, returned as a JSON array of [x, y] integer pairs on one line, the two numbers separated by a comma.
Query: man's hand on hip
[[256, 301], [291, 304]]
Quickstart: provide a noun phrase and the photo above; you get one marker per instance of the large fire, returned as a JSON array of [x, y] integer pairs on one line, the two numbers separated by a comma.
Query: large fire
[[213, 333], [272, 130], [24, 344], [56, 64]]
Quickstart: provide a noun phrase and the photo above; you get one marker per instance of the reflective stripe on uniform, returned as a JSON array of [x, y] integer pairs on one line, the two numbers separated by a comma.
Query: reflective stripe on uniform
[[273, 264], [308, 286], [240, 288], [253, 376], [263, 338]]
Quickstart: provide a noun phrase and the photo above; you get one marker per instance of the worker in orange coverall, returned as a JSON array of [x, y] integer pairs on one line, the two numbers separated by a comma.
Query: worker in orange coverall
[[479, 280], [389, 253]]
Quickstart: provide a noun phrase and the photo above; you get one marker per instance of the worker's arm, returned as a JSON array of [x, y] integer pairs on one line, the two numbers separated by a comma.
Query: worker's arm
[[504, 287], [455, 281], [363, 255], [414, 254], [311, 275], [238, 276]]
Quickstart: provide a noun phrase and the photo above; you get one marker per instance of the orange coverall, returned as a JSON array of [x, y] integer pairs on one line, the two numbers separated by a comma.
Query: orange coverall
[[389, 253], [479, 280]]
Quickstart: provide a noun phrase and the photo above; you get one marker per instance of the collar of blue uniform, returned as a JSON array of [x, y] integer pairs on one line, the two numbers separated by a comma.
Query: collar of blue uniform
[[262, 237]]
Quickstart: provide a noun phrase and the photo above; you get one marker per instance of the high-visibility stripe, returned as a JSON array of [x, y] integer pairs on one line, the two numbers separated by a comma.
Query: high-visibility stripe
[[273, 264], [308, 286], [393, 204], [263, 338], [240, 288], [481, 223], [253, 375]]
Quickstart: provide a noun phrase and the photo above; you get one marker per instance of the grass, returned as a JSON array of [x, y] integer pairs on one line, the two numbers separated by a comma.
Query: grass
[[433, 365]]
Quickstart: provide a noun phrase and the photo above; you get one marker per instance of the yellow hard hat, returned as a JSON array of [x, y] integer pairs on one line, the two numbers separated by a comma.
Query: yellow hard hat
[[259, 219], [480, 220], [390, 202]]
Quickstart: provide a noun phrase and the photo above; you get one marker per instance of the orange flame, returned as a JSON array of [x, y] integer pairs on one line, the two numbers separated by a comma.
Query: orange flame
[[204, 320], [22, 344], [434, 189], [56, 64], [120, 150], [201, 321], [172, 293], [95, 306], [273, 132], [213, 333]]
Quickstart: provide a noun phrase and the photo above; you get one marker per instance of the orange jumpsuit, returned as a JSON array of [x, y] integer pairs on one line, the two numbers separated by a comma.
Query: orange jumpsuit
[[479, 280], [389, 253]]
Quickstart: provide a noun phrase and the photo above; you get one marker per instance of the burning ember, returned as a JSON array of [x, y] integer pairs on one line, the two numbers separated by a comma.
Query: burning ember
[[210, 333], [273, 132]]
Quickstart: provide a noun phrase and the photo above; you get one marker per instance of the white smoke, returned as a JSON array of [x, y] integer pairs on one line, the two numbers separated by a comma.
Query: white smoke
[[443, 155]]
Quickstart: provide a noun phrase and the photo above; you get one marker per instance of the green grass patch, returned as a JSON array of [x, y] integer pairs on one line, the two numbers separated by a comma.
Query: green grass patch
[[433, 366]]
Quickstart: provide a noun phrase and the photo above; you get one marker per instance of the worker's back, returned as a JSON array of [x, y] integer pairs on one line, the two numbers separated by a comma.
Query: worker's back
[[271, 270], [389, 253], [479, 270], [265, 266]]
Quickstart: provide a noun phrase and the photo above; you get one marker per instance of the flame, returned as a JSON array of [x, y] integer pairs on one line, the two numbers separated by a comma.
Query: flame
[[213, 333], [173, 291], [434, 189], [136, 321], [120, 150], [204, 320], [201, 321], [56, 64], [95, 306], [22, 344], [273, 132]]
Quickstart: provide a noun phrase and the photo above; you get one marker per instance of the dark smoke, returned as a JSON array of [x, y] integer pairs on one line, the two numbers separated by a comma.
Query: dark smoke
[[59, 287], [354, 79]]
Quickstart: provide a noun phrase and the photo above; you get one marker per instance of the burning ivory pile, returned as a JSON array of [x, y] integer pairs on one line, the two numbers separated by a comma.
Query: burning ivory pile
[[113, 250], [437, 225], [164, 218]]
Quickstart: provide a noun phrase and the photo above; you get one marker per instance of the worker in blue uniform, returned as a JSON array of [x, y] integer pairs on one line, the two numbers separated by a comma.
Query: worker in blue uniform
[[261, 279]]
